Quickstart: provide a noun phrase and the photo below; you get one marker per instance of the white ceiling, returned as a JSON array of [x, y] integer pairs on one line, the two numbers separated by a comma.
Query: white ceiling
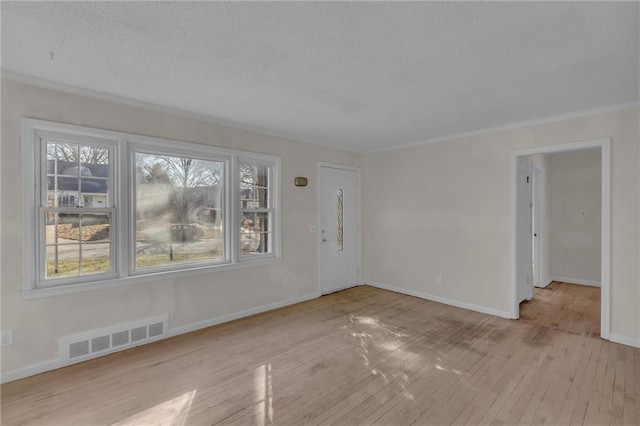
[[361, 76]]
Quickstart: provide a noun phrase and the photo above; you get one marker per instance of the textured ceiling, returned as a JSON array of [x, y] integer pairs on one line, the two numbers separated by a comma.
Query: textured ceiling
[[362, 76]]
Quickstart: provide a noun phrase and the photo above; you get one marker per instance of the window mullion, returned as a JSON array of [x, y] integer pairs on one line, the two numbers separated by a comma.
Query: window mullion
[[123, 173], [234, 211]]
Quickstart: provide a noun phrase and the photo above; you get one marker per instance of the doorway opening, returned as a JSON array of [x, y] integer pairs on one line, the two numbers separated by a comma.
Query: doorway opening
[[532, 239]]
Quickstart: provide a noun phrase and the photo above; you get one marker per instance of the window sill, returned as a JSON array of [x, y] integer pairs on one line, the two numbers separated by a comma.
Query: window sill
[[39, 293]]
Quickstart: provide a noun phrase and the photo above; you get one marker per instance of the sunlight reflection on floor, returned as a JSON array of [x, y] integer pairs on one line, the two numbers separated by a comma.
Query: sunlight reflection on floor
[[376, 337], [171, 412], [263, 386]]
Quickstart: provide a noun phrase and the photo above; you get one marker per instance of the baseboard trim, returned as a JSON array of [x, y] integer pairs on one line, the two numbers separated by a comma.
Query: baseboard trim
[[624, 340], [188, 328], [440, 299], [576, 281], [32, 370], [43, 367], [547, 282]]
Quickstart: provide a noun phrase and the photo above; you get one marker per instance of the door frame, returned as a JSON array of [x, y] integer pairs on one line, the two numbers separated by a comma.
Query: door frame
[[327, 165], [529, 212], [538, 193], [605, 249]]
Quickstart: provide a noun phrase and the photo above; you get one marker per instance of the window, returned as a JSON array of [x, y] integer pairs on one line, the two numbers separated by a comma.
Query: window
[[110, 208], [256, 209], [76, 213], [178, 210]]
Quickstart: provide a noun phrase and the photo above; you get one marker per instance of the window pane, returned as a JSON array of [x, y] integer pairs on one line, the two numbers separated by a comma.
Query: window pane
[[178, 210], [249, 238], [61, 157], [95, 226], [96, 258], [91, 156], [263, 197], [62, 228], [63, 260], [77, 243], [255, 233], [78, 175], [254, 183], [52, 191]]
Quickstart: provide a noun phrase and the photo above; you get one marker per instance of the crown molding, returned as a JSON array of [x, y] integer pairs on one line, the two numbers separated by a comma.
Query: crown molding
[[515, 126], [87, 93]]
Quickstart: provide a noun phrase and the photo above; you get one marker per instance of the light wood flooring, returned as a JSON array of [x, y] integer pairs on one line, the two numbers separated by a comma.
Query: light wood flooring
[[359, 356]]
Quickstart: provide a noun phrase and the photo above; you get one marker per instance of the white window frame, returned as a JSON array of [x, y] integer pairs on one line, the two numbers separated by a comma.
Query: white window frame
[[122, 168], [272, 203], [42, 137], [162, 148]]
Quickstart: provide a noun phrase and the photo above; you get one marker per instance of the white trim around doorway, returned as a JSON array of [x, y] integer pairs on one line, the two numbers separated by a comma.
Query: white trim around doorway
[[605, 250]]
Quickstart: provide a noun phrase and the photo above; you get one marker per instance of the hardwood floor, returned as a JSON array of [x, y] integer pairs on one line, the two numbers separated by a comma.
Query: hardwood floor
[[570, 308], [360, 356]]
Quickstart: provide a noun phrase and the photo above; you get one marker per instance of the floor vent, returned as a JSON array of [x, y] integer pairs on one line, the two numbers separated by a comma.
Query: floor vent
[[95, 343]]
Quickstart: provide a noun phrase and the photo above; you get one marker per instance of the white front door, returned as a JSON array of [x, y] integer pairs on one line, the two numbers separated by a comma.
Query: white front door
[[339, 228], [524, 252]]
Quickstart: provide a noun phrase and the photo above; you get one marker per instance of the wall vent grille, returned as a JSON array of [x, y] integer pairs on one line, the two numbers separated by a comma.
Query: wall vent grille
[[77, 349], [100, 343], [95, 343], [120, 338], [138, 333], [156, 329]]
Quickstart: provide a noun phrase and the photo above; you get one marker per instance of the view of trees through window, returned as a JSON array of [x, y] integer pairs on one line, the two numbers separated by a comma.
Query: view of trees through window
[[255, 225], [178, 210], [77, 241], [107, 206]]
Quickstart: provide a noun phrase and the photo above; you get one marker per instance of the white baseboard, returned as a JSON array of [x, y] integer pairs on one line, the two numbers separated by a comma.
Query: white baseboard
[[43, 367], [32, 370], [615, 338], [440, 299], [547, 282], [237, 315], [624, 340], [575, 281]]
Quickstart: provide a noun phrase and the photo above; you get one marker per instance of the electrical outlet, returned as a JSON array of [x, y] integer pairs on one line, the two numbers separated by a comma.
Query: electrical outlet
[[6, 338], [439, 279]]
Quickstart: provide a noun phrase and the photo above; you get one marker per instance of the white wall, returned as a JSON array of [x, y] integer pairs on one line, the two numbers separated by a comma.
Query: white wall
[[445, 208], [38, 324], [574, 199], [440, 208]]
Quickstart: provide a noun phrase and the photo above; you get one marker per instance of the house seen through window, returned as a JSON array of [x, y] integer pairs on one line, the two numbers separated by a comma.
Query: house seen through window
[[109, 205]]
